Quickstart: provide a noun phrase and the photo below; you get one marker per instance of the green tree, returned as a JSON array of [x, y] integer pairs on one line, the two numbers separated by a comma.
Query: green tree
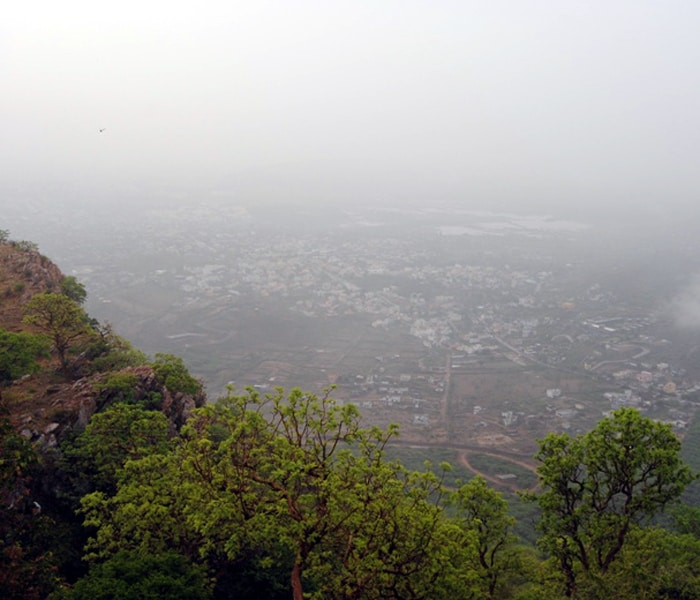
[[136, 576], [121, 432], [171, 372], [154, 510], [19, 353], [311, 478], [290, 480], [72, 288], [484, 511], [686, 519], [598, 486], [277, 468], [401, 544], [654, 563], [110, 352], [117, 387], [62, 319]]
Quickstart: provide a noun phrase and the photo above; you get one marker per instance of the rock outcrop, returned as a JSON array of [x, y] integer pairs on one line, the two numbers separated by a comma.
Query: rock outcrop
[[44, 407], [60, 409]]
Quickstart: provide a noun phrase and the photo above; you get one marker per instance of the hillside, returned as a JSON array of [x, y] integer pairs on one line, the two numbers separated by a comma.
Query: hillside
[[287, 494], [50, 403], [24, 271]]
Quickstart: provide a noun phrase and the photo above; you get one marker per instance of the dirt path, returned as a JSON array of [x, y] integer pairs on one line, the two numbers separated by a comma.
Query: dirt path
[[463, 457]]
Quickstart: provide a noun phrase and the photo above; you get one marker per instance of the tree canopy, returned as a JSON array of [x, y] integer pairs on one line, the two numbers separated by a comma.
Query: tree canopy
[[173, 374], [59, 317], [134, 576], [294, 482], [73, 289], [19, 353], [119, 433], [597, 487], [289, 494], [483, 511]]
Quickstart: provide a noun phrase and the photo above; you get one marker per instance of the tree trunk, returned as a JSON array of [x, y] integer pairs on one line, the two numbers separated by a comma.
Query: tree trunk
[[297, 588]]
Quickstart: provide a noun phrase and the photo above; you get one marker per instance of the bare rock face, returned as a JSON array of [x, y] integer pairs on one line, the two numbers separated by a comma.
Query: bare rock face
[[178, 407], [37, 270], [23, 272]]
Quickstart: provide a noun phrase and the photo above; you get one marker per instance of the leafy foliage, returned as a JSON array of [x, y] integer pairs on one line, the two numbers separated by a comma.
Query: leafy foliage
[[118, 386], [73, 289], [483, 511], [19, 353], [110, 352], [171, 372], [26, 245], [291, 480], [16, 458], [62, 319], [134, 576], [122, 386], [686, 519], [598, 486], [654, 563], [121, 432]]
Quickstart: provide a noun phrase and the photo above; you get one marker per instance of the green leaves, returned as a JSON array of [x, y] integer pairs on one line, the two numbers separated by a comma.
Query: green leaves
[[598, 486], [137, 576], [292, 481], [19, 353], [61, 318], [121, 432], [171, 372], [290, 484], [73, 289], [483, 512]]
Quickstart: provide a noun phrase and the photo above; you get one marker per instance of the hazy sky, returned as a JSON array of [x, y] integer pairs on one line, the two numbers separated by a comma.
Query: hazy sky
[[555, 101]]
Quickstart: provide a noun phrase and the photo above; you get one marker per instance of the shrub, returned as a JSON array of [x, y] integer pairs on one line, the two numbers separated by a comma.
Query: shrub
[[171, 372], [118, 387], [134, 576], [19, 354]]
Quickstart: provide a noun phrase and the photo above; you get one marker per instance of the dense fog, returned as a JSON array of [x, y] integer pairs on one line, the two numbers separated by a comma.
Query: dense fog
[[286, 192], [517, 105]]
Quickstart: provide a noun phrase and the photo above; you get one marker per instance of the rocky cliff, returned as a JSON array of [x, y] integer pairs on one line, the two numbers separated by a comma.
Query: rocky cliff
[[48, 404]]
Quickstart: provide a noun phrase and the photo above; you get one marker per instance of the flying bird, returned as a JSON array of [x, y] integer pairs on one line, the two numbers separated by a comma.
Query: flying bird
[[101, 130]]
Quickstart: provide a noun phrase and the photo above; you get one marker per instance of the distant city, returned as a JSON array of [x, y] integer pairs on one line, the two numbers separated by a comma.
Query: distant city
[[470, 329]]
